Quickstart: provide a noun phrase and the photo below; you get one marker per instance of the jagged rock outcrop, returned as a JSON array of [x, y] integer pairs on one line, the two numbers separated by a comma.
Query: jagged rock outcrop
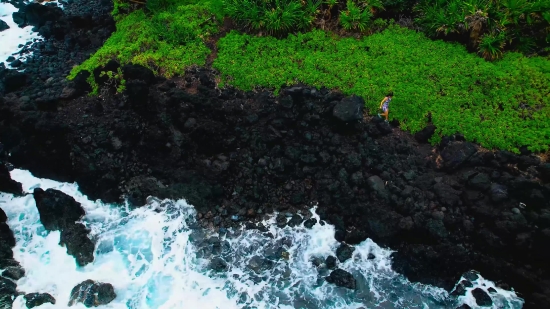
[[60, 212], [92, 294]]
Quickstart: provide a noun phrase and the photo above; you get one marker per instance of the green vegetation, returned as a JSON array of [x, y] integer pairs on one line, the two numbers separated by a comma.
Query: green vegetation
[[273, 16], [505, 104], [169, 38], [489, 25], [502, 104], [278, 17]]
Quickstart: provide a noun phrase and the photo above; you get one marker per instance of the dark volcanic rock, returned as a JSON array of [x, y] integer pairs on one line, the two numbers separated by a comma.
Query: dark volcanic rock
[[11, 268], [14, 80], [100, 75], [218, 264], [57, 209], [75, 238], [3, 216], [425, 134], [309, 223], [480, 181], [81, 84], [544, 170], [7, 292], [344, 252], [138, 94], [482, 298], [258, 264], [238, 155], [377, 185], [38, 299], [330, 262], [7, 241], [14, 272], [499, 193], [3, 26], [36, 14], [92, 294], [7, 184], [455, 154], [342, 278], [138, 72], [460, 289], [349, 109], [447, 195]]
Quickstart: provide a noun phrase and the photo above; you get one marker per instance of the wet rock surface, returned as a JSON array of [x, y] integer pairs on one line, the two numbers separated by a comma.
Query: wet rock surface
[[7, 241], [59, 212], [444, 211], [92, 294], [75, 238], [342, 278], [3, 26], [12, 271], [8, 292], [344, 252], [7, 184], [237, 155], [482, 298], [38, 299]]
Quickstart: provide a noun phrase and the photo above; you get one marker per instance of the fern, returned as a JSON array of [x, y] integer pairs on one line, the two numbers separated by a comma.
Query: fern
[[355, 18]]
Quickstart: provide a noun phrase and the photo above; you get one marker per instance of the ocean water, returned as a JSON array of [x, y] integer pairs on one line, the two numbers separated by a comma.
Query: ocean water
[[11, 38], [155, 257]]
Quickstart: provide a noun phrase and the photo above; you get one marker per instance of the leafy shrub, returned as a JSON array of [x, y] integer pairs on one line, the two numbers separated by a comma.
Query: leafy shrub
[[183, 24], [285, 16], [355, 18], [120, 8], [491, 45], [487, 24], [167, 42], [273, 16], [404, 6], [503, 104]]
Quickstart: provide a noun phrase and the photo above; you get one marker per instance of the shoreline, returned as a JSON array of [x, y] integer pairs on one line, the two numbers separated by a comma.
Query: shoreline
[[445, 209]]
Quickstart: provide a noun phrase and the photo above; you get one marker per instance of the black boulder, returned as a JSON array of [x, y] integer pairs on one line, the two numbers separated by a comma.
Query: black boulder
[[482, 298], [92, 294], [38, 299], [3, 26], [349, 109], [57, 210], [75, 238], [342, 278]]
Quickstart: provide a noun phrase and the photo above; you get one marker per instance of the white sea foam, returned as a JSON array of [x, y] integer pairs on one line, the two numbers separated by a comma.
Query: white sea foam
[[501, 298], [11, 38], [154, 259]]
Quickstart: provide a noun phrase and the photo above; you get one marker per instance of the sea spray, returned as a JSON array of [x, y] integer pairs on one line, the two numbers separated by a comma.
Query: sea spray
[[155, 257], [13, 37]]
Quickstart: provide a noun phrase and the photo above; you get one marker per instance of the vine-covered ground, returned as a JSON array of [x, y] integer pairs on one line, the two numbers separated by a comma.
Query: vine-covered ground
[[503, 104]]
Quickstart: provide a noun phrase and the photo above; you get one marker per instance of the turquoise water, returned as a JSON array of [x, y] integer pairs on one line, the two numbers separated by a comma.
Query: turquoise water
[[155, 260]]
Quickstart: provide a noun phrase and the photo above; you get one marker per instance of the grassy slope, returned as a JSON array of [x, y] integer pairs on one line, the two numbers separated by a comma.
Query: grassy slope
[[136, 40], [462, 92]]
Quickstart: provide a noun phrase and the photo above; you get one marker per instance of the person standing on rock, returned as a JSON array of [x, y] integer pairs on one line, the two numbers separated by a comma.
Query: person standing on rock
[[385, 106]]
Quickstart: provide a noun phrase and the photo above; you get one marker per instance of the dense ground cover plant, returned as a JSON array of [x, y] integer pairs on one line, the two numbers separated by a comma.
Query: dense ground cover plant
[[167, 36], [503, 104], [279, 17], [488, 25]]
